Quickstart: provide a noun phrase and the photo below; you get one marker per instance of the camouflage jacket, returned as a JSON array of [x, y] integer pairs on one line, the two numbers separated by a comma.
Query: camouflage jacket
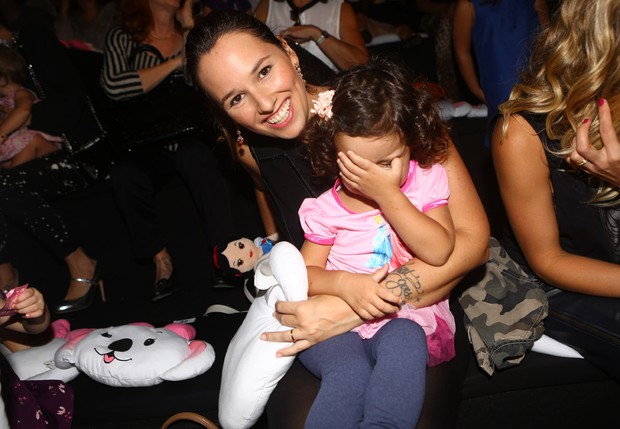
[[504, 312]]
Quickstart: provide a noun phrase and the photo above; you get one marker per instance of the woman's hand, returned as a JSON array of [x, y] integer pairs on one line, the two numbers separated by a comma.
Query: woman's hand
[[603, 163], [302, 33], [314, 320], [185, 16]]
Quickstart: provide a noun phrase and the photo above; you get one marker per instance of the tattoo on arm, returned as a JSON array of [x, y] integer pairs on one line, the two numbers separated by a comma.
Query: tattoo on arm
[[404, 282]]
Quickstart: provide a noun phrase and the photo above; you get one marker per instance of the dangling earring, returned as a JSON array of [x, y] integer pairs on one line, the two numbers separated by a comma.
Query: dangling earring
[[240, 140], [298, 70]]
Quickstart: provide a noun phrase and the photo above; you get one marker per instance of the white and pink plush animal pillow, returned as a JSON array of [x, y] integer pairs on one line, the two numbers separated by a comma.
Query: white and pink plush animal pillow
[[136, 354]]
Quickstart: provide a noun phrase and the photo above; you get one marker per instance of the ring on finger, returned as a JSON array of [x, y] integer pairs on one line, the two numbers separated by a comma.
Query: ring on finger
[[292, 337], [582, 162]]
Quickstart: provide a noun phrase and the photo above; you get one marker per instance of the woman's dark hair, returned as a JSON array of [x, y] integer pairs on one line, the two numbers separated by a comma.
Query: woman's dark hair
[[203, 37], [210, 28], [12, 66], [374, 100]]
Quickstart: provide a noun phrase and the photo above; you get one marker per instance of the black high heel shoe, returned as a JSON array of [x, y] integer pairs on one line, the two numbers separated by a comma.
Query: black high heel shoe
[[163, 288], [86, 300]]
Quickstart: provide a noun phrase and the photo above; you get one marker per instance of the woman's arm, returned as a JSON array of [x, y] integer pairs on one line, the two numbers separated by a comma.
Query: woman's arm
[[346, 49], [324, 316], [119, 80], [423, 284], [525, 187], [349, 49], [461, 36], [19, 116]]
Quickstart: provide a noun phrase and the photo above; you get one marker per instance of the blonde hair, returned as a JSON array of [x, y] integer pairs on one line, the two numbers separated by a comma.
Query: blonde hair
[[575, 63]]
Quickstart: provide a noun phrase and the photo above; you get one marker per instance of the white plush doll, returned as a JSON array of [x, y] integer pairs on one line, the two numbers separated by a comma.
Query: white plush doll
[[136, 354], [251, 369]]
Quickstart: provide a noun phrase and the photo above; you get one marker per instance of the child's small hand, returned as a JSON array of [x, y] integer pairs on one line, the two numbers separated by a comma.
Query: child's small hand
[[29, 304], [368, 298], [368, 178]]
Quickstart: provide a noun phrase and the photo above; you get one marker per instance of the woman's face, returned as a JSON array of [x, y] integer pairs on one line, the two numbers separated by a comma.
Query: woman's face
[[256, 84]]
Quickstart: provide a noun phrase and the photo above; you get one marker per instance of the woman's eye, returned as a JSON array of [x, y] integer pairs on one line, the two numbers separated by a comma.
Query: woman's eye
[[264, 71], [236, 99]]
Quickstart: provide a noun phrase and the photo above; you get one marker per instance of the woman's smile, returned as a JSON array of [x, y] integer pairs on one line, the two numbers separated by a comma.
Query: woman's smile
[[283, 115]]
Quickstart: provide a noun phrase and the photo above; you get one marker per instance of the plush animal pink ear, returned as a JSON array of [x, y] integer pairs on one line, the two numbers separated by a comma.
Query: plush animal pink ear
[[148, 325], [60, 328], [73, 337], [182, 329]]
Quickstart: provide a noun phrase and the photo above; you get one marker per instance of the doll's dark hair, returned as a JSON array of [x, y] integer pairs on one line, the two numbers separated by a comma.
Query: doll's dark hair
[[374, 100], [221, 263], [12, 66]]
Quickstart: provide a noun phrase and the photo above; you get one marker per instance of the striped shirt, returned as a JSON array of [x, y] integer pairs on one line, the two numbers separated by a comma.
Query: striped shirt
[[122, 59]]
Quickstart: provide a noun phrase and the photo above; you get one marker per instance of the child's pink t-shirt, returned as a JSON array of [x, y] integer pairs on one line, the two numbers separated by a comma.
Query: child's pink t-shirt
[[364, 242]]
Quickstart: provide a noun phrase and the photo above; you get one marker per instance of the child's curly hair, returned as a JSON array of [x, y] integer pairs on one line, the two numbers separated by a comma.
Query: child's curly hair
[[375, 100]]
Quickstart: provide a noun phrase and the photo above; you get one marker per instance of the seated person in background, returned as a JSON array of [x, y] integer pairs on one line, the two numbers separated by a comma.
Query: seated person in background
[[85, 23], [27, 190], [555, 150], [18, 143], [500, 34], [141, 55], [327, 28]]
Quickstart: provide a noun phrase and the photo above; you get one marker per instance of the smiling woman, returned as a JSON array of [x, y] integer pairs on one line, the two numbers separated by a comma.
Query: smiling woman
[[233, 56]]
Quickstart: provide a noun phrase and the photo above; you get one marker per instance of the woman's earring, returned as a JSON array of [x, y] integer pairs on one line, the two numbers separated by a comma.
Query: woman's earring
[[298, 69], [239, 137]]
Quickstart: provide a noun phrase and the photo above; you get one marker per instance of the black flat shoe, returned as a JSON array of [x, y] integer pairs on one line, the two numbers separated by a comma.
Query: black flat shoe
[[163, 289], [86, 300]]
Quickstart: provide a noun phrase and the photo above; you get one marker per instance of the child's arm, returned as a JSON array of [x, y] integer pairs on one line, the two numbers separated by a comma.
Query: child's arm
[[32, 315], [19, 116], [363, 292], [430, 235]]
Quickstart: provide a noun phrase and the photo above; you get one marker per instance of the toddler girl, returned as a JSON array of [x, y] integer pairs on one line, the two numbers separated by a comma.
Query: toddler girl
[[381, 138], [18, 144]]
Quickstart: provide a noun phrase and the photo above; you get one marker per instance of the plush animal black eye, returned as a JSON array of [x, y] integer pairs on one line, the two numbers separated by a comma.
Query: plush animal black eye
[[241, 245], [149, 341], [105, 334]]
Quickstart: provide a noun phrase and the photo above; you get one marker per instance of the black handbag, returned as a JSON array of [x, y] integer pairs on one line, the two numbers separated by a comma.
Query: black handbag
[[166, 114]]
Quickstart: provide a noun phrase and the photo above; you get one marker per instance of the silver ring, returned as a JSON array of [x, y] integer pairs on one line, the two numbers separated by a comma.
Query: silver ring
[[582, 162], [292, 337]]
